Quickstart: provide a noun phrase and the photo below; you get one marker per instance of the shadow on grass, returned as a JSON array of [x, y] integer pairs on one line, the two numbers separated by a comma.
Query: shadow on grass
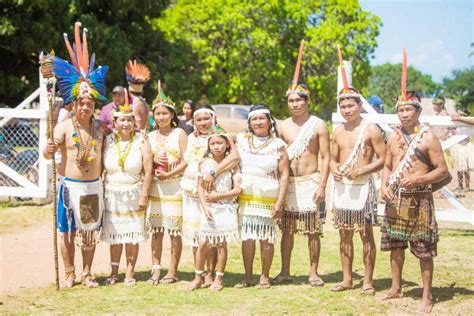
[[441, 294]]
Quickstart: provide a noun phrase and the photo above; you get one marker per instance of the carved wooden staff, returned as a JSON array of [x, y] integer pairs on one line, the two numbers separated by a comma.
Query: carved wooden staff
[[47, 71]]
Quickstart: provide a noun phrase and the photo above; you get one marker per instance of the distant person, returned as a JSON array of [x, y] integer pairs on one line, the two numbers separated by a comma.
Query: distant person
[[137, 75], [64, 110], [187, 122], [439, 105], [377, 104], [105, 117], [440, 110]]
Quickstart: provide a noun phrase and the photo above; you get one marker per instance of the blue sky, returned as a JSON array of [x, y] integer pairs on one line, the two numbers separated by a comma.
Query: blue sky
[[437, 34]]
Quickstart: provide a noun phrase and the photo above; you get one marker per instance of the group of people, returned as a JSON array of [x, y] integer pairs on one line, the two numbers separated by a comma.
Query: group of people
[[124, 184]]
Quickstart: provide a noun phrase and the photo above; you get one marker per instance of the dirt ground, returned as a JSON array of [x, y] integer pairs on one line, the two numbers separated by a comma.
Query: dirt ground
[[27, 258]]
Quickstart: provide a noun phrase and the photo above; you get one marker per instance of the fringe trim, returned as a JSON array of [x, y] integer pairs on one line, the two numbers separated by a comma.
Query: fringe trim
[[258, 228], [356, 219], [358, 148], [87, 239], [300, 144], [408, 157], [125, 238], [306, 222], [216, 238], [162, 229]]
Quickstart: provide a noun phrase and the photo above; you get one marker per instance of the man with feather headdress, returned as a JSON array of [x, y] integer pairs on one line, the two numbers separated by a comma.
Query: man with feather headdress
[[414, 167], [354, 147], [80, 140], [307, 137]]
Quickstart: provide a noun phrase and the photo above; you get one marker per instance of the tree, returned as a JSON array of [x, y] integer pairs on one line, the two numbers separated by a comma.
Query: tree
[[385, 82], [118, 30], [460, 87], [26, 27], [231, 51]]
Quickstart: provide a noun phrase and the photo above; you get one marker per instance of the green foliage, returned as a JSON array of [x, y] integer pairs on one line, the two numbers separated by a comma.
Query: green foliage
[[385, 82], [26, 27], [118, 31], [230, 51], [460, 87]]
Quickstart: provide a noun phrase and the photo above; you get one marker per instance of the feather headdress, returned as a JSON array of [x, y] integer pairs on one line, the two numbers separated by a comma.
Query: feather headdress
[[80, 79], [162, 99], [137, 75], [346, 91], [125, 109], [295, 86], [406, 97]]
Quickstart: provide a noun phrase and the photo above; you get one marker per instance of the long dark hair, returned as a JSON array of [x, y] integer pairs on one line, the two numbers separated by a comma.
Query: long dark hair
[[191, 104], [272, 129], [174, 121], [204, 106]]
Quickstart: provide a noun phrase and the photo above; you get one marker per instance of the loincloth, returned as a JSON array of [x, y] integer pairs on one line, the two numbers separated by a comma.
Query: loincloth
[[410, 216], [301, 215], [83, 202], [354, 203]]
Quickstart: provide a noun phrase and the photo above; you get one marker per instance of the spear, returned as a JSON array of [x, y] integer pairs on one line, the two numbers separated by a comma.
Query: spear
[[47, 71]]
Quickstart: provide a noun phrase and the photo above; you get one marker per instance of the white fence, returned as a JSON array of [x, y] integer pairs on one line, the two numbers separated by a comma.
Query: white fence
[[23, 136]]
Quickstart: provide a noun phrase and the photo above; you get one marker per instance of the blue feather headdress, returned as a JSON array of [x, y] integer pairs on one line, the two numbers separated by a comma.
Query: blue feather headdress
[[80, 79]]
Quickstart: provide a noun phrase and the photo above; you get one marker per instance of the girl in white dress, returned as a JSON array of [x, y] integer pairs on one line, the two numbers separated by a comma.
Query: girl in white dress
[[197, 146], [128, 175], [219, 221], [164, 215]]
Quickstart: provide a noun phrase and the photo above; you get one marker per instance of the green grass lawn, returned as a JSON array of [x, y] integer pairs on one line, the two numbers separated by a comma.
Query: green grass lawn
[[453, 287]]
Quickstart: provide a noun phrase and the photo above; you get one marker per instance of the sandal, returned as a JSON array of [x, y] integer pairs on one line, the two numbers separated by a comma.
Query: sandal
[[129, 282], [87, 280], [315, 281], [216, 287], [152, 280], [341, 288], [169, 280], [242, 285], [368, 290], [263, 286], [70, 276], [279, 280], [193, 286], [207, 284], [112, 280]]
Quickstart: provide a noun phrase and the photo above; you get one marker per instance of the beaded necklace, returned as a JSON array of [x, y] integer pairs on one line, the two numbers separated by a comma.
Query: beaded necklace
[[83, 156], [255, 149], [121, 159]]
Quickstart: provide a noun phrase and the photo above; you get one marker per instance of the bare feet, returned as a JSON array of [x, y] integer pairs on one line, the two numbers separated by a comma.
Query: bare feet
[[426, 306], [392, 294]]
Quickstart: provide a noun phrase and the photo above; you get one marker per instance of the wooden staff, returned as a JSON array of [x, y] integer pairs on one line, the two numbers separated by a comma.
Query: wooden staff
[[47, 71]]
